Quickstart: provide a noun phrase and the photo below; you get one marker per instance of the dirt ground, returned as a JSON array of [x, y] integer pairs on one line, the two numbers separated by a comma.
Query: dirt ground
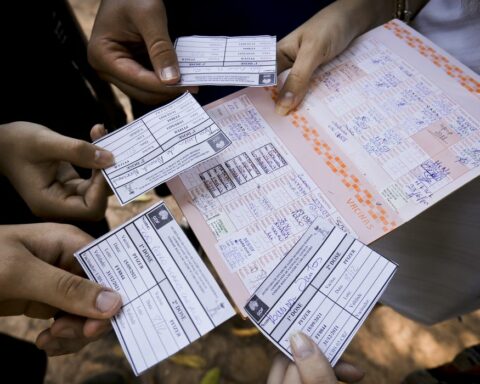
[[387, 347]]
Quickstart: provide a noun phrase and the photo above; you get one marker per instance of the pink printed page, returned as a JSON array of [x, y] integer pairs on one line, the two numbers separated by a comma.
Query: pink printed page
[[389, 128]]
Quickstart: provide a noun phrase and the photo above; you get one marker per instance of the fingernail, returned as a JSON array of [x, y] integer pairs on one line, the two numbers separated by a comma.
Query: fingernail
[[67, 333], [107, 300], [169, 73], [302, 347], [285, 103], [103, 158]]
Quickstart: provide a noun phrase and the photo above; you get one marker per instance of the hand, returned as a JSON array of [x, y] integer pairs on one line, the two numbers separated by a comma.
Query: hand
[[320, 39], [311, 366], [38, 163], [129, 38], [39, 278]]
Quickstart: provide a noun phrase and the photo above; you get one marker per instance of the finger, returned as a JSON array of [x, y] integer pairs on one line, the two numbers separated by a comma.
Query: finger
[[312, 365], [93, 328], [292, 376], [68, 327], [96, 173], [39, 310], [95, 197], [278, 369], [23, 307], [347, 372], [81, 186], [56, 346], [298, 80], [138, 90], [78, 152], [159, 45], [68, 292], [76, 327], [65, 201], [97, 131], [283, 61]]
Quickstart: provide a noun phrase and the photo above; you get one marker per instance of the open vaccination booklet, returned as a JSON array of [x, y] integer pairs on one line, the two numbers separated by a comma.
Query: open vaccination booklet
[[388, 128]]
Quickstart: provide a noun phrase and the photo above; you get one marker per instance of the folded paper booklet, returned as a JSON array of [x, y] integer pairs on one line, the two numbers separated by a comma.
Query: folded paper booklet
[[388, 128]]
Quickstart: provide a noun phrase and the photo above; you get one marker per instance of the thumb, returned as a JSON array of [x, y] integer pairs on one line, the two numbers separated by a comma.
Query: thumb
[[162, 55], [298, 80], [71, 293], [312, 365], [76, 152]]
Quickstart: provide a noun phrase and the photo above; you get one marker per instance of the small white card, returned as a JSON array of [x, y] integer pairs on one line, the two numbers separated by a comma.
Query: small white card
[[221, 60], [159, 146], [169, 297], [325, 287]]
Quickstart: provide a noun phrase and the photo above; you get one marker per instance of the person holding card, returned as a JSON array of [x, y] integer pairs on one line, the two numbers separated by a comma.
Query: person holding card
[[39, 163], [141, 60], [39, 278], [311, 366], [47, 81], [38, 275]]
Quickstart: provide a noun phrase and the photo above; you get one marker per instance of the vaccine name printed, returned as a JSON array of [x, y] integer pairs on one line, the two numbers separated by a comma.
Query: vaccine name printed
[[159, 146], [325, 287], [221, 60], [170, 298]]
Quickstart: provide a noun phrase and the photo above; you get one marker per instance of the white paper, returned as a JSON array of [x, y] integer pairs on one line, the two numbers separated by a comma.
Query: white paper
[[325, 287], [221, 60], [169, 297], [160, 145], [387, 129]]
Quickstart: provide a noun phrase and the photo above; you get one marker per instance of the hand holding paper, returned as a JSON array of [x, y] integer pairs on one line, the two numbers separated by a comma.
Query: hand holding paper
[[160, 145], [38, 162], [131, 48], [169, 297], [39, 278], [310, 366], [319, 40]]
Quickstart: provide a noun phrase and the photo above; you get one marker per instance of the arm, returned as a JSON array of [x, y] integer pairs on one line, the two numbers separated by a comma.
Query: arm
[[39, 277], [38, 162], [323, 37], [130, 47]]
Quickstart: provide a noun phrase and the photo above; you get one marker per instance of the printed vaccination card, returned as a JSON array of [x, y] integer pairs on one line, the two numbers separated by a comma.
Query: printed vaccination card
[[159, 146], [387, 129], [220, 60], [325, 287], [170, 298]]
